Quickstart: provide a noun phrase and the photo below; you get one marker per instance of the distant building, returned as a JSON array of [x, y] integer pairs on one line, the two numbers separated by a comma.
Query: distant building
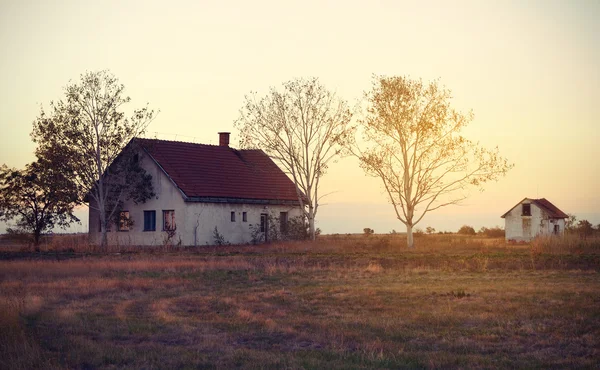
[[533, 217], [199, 187]]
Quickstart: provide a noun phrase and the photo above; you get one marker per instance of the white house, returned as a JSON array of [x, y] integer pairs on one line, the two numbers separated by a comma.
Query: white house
[[199, 187], [533, 217]]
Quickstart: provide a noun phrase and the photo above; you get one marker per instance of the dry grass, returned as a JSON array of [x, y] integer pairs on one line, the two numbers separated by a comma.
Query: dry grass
[[344, 302]]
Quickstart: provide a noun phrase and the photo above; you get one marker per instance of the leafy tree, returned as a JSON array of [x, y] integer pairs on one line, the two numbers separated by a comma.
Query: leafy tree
[[37, 198], [466, 230], [585, 228], [90, 129], [302, 127], [367, 231], [412, 142], [571, 223], [429, 230]]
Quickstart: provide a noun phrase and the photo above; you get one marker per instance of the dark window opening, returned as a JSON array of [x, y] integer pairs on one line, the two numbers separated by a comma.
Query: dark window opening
[[244, 217], [232, 216], [149, 220], [526, 209], [124, 221], [556, 229], [169, 220], [283, 222]]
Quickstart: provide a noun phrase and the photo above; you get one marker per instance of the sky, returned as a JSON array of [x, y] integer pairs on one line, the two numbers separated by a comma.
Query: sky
[[527, 69]]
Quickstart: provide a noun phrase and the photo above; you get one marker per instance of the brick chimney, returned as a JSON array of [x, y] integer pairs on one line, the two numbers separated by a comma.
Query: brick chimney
[[223, 138]]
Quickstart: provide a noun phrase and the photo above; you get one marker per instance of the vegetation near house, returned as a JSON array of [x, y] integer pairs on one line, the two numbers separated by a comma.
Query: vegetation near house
[[303, 128], [492, 232], [414, 146], [90, 130]]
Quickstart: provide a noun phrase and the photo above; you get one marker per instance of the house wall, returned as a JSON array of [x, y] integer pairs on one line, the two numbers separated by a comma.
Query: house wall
[[195, 222], [540, 224]]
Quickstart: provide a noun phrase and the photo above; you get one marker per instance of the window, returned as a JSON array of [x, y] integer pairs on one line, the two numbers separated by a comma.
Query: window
[[244, 217], [232, 216], [149, 220], [556, 229], [526, 210], [283, 222], [124, 221], [169, 220]]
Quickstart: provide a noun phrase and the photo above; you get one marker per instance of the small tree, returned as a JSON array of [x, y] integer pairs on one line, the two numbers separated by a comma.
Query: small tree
[[367, 231], [466, 230], [413, 144], [302, 128], [38, 197], [585, 228], [429, 230], [91, 131], [571, 223]]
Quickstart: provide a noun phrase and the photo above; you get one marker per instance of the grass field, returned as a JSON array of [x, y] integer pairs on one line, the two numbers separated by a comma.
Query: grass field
[[341, 303]]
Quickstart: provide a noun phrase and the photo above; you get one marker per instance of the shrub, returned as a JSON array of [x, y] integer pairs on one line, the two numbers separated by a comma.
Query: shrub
[[218, 238], [367, 231], [494, 232], [466, 230]]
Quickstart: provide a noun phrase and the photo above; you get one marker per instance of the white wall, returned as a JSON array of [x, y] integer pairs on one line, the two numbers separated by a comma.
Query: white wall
[[540, 223], [195, 221]]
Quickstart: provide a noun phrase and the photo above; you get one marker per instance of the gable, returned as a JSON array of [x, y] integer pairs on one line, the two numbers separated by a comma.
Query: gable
[[545, 205]]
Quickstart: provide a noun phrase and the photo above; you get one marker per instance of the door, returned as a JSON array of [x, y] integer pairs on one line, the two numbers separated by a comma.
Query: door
[[264, 226], [527, 228]]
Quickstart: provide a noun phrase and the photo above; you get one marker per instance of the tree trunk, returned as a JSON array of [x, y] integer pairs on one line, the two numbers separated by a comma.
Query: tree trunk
[[36, 238], [311, 223], [409, 237], [103, 224]]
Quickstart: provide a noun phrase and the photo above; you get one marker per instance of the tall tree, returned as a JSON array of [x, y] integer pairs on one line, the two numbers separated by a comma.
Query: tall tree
[[412, 142], [90, 129], [37, 198], [302, 127]]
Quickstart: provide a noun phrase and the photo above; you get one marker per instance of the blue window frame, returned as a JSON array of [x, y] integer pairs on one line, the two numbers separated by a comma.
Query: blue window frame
[[149, 220]]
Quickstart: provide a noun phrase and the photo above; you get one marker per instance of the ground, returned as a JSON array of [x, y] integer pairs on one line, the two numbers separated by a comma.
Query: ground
[[342, 303]]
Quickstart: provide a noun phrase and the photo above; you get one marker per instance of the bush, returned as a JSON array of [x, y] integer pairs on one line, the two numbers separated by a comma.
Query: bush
[[367, 231], [494, 232], [466, 230], [297, 229]]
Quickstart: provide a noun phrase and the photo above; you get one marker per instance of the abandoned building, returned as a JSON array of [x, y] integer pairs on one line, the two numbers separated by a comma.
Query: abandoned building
[[199, 187], [533, 217]]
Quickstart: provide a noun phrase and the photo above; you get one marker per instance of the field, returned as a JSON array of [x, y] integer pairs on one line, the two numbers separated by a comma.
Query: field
[[340, 303]]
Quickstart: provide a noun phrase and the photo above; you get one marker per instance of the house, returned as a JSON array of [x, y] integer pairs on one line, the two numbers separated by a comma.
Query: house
[[533, 217], [199, 187]]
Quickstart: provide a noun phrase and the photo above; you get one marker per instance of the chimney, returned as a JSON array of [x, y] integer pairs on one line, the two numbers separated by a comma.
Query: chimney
[[223, 138]]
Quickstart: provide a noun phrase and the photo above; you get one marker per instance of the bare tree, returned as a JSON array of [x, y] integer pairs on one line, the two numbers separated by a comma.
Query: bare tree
[[412, 142], [303, 128], [90, 130]]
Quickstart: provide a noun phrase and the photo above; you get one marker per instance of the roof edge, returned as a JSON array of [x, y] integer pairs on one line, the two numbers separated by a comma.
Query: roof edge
[[230, 200]]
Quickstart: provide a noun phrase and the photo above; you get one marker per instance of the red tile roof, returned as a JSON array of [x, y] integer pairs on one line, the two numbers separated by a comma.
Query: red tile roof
[[210, 171]]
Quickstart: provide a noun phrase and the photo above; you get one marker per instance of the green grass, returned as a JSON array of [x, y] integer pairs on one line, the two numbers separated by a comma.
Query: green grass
[[331, 305]]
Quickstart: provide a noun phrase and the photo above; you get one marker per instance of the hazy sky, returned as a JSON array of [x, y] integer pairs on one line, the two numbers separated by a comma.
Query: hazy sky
[[528, 69]]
